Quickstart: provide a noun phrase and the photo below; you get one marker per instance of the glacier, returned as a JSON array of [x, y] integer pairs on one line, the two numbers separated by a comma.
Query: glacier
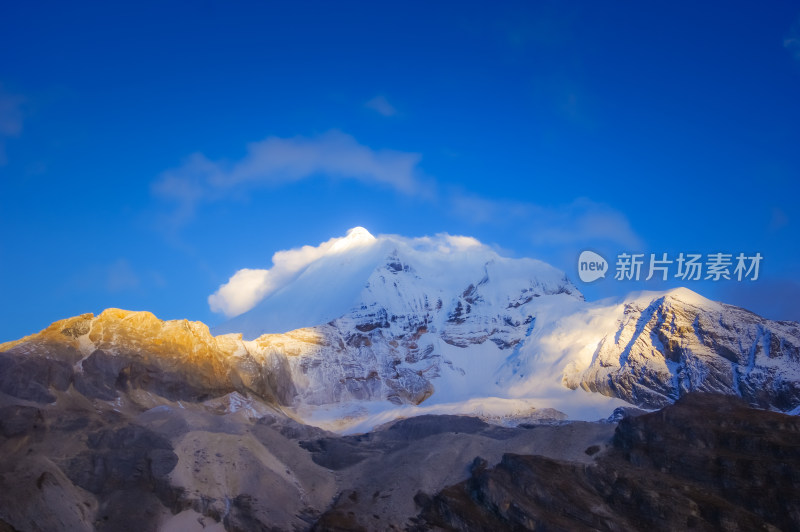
[[361, 330], [388, 326]]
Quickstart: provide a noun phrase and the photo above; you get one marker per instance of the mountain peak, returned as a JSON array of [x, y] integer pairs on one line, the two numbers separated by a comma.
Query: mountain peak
[[355, 237], [313, 285], [499, 338]]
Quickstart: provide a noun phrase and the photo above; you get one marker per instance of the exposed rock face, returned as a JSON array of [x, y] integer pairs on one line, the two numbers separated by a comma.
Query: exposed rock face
[[123, 465], [123, 457], [395, 350], [141, 462], [675, 344], [87, 465], [126, 422], [32, 377], [119, 350], [706, 463], [393, 347], [386, 468]]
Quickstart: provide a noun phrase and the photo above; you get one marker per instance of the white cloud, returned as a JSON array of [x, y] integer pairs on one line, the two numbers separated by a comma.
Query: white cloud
[[580, 221], [247, 286], [10, 119], [442, 242], [793, 45], [242, 291], [381, 105], [275, 161], [486, 211], [577, 223]]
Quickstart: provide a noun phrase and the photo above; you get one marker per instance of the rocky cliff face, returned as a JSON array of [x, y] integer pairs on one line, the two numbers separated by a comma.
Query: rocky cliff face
[[705, 463], [126, 422], [426, 322], [120, 350], [666, 346], [106, 429], [404, 344], [402, 337]]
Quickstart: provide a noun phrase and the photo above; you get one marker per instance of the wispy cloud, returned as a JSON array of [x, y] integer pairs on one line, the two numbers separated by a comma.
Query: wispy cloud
[[120, 277], [792, 41], [381, 105], [276, 161], [10, 119], [247, 287], [579, 222]]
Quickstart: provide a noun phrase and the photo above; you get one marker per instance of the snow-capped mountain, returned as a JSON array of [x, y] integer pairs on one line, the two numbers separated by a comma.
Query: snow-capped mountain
[[412, 278], [664, 345], [448, 324], [433, 320], [361, 330]]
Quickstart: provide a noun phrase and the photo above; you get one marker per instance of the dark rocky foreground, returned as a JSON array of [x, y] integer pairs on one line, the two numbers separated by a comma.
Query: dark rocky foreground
[[706, 463], [126, 423]]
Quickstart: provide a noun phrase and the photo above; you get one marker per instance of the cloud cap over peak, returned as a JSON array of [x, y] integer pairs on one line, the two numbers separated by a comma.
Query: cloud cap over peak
[[248, 286], [358, 251]]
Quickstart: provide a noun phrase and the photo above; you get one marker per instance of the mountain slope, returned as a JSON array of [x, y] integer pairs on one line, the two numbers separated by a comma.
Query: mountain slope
[[430, 325], [704, 463], [666, 345], [401, 276], [446, 319]]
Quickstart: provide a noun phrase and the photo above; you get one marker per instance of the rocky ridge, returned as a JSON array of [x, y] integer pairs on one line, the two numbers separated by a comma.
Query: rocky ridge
[[708, 462], [125, 422], [538, 340], [669, 345]]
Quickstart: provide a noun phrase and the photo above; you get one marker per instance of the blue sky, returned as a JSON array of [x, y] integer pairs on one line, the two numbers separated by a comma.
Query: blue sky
[[150, 150]]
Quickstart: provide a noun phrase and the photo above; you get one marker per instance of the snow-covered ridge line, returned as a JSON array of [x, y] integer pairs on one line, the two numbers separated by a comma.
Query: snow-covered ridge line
[[414, 325], [314, 285]]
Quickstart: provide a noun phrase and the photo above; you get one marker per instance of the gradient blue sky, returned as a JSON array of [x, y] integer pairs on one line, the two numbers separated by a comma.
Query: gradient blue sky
[[149, 150]]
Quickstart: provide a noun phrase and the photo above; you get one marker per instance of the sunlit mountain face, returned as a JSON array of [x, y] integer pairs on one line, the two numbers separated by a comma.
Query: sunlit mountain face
[[361, 330], [418, 266], [349, 361]]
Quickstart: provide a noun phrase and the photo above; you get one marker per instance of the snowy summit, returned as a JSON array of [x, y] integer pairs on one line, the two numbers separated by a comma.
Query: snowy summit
[[313, 285], [368, 328]]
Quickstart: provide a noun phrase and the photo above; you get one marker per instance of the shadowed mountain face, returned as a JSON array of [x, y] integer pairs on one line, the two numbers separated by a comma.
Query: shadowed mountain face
[[668, 346], [648, 351], [143, 462], [705, 463], [123, 422], [126, 422]]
